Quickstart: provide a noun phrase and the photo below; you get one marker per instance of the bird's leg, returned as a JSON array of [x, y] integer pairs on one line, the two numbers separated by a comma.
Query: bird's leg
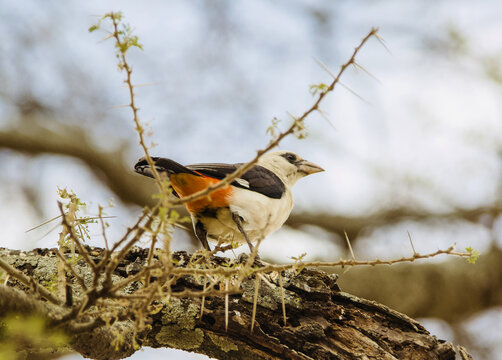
[[238, 222], [201, 233]]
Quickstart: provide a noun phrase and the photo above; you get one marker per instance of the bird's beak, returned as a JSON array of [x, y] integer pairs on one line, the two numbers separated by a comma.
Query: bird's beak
[[308, 167]]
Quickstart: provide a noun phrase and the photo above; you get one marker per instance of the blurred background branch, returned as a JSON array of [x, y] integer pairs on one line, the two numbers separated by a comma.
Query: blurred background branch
[[108, 167]]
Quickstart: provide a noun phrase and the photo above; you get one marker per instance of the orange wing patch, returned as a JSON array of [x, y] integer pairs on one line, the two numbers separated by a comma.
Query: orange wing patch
[[187, 184]]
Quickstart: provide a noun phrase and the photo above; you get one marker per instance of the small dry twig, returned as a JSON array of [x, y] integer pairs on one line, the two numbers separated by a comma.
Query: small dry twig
[[299, 120], [139, 128]]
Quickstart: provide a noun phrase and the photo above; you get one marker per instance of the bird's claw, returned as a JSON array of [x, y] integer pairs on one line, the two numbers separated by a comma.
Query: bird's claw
[[244, 258]]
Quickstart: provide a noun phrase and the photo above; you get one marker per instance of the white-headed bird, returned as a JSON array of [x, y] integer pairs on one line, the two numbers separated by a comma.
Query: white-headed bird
[[250, 208]]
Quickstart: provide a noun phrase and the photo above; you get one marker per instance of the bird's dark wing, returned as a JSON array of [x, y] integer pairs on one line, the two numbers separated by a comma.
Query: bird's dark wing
[[257, 178], [216, 170], [162, 165]]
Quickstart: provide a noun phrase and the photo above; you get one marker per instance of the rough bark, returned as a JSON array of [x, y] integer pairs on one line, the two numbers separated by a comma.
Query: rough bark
[[322, 321]]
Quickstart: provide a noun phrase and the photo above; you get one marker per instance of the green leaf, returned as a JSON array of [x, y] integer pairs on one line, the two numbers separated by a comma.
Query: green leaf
[[298, 258], [273, 128], [318, 88], [473, 255], [185, 219], [162, 212]]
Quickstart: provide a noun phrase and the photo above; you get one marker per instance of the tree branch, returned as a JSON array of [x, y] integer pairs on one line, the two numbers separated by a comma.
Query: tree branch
[[433, 290], [297, 124], [109, 167], [322, 321], [354, 225], [28, 281]]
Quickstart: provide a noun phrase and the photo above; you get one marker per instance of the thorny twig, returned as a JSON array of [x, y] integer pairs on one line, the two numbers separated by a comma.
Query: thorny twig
[[71, 269], [226, 271], [73, 235], [103, 227], [125, 66], [297, 121]]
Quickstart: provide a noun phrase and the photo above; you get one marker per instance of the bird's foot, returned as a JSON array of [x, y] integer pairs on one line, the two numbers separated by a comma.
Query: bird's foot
[[244, 258]]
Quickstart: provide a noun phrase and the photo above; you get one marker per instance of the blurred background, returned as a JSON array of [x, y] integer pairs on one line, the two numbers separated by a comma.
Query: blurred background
[[417, 150]]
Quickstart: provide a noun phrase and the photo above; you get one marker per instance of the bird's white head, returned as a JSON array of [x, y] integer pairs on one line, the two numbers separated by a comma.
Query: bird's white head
[[290, 167]]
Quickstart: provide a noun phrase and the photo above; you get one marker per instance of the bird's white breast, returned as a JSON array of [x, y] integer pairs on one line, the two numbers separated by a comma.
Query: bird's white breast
[[261, 215]]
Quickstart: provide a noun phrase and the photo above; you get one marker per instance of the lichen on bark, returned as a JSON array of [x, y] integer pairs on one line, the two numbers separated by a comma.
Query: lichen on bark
[[322, 321]]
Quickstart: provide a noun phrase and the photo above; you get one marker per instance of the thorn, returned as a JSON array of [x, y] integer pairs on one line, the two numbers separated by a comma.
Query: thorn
[[324, 67], [120, 106], [411, 242], [382, 42], [186, 228], [354, 93], [146, 84], [291, 116], [42, 224], [357, 65], [348, 244], [139, 85], [255, 301], [325, 117], [226, 304], [105, 38], [203, 299], [265, 280]]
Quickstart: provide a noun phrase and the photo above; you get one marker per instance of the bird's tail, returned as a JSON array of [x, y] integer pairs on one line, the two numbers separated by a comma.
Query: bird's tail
[[162, 165]]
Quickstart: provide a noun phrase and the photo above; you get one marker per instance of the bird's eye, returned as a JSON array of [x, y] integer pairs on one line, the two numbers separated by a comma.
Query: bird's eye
[[290, 157]]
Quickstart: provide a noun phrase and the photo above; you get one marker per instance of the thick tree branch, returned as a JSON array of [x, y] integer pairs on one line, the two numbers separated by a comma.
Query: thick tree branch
[[28, 281], [322, 321], [16, 301]]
